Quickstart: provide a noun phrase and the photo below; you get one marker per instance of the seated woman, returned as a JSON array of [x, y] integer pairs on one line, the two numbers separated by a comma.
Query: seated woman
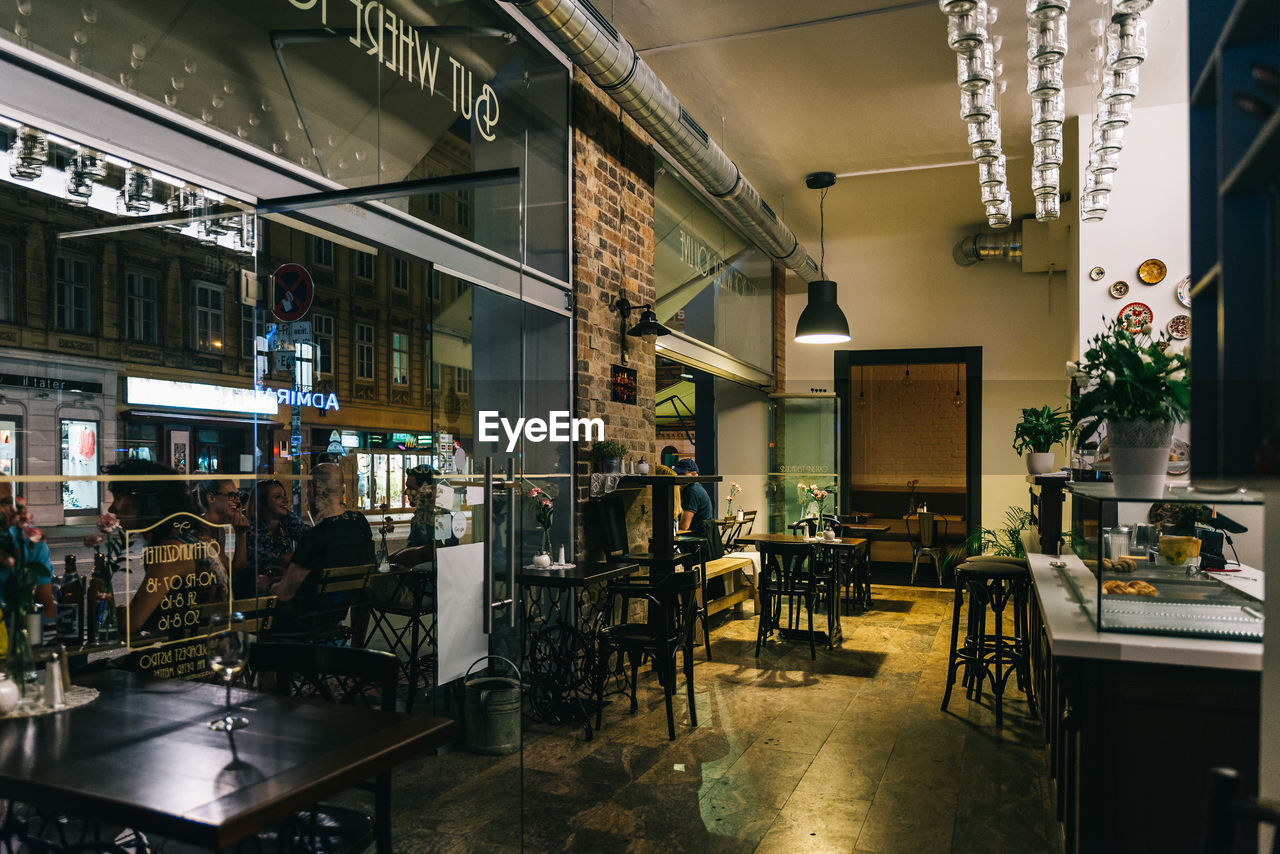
[[273, 535], [16, 543], [220, 501], [180, 561]]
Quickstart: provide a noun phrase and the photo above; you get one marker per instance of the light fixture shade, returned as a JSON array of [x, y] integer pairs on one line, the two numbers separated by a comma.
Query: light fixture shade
[[648, 325], [822, 321]]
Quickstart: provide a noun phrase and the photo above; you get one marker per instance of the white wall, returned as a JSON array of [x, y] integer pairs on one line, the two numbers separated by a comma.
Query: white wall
[[742, 445], [900, 288]]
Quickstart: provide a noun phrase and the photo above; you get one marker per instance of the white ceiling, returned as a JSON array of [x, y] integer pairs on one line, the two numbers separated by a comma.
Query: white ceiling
[[851, 86]]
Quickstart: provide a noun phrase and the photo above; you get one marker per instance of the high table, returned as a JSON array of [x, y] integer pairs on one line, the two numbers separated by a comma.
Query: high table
[[663, 542], [560, 638], [142, 756], [853, 548]]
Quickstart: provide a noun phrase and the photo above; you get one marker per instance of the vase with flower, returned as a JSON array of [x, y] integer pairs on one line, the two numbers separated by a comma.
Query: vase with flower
[[734, 489], [543, 514], [109, 548], [1140, 390], [24, 555], [817, 495]]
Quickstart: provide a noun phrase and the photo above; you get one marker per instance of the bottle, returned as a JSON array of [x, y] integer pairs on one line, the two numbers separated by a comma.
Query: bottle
[[91, 609], [70, 604], [100, 599]]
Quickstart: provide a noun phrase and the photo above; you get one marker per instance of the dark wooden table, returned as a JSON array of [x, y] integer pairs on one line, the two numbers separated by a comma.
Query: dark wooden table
[[663, 543], [142, 756], [859, 554], [560, 638]]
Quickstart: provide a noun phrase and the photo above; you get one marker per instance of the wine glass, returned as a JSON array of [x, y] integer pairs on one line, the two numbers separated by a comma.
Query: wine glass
[[227, 653]]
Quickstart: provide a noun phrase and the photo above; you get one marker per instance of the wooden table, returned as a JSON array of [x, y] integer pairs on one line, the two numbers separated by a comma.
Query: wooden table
[[142, 756], [856, 547]]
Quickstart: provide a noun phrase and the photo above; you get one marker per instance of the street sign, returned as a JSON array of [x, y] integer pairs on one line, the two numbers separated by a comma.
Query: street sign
[[291, 292], [284, 360], [288, 334]]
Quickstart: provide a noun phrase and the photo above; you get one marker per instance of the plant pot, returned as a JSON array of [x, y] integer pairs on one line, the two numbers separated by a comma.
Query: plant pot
[[613, 465], [1040, 463], [1139, 457]]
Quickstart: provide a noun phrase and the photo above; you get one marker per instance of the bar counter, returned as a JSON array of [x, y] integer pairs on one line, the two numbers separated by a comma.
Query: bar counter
[[1134, 722]]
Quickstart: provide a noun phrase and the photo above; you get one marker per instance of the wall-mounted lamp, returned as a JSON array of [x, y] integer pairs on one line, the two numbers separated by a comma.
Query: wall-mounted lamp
[[648, 324]]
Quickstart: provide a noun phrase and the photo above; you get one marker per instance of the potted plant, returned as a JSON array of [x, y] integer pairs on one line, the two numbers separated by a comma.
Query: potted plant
[[1037, 433], [1140, 389], [609, 453]]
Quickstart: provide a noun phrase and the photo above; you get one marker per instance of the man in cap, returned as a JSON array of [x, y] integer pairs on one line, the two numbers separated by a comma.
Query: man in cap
[[695, 504]]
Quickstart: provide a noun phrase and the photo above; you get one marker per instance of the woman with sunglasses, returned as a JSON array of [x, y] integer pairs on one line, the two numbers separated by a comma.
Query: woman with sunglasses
[[220, 501], [273, 535]]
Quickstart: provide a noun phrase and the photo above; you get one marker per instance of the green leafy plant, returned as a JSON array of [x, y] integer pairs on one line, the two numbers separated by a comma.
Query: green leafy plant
[[1005, 541], [1178, 518], [610, 449], [1040, 429], [1130, 377]]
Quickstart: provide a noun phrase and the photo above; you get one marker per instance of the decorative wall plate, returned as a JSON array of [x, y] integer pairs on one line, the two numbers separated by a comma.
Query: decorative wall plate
[[1134, 316], [1180, 326], [1183, 291], [1097, 273], [1152, 271], [1118, 289]]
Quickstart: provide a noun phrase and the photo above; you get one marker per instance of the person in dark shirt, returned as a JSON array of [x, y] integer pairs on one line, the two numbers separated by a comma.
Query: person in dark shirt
[[340, 537], [695, 504], [420, 486]]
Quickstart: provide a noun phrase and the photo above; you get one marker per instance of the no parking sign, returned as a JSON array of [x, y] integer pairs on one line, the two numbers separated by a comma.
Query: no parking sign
[[292, 291]]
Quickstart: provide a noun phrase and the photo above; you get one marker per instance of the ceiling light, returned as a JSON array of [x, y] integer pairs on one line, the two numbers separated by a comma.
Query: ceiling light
[[822, 321]]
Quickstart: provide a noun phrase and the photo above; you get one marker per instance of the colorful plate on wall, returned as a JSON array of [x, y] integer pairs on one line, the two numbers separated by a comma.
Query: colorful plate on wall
[[1134, 316], [1097, 273], [1183, 291], [1152, 271], [1118, 289], [1180, 327]]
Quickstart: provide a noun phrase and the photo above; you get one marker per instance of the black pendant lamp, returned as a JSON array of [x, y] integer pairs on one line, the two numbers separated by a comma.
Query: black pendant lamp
[[822, 321]]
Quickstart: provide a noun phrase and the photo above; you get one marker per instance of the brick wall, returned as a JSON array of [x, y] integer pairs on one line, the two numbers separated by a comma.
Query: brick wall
[[907, 430], [613, 246]]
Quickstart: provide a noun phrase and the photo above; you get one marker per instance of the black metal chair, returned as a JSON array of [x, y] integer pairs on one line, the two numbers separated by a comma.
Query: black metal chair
[[927, 542], [743, 529], [787, 571], [1226, 811], [363, 677], [667, 631]]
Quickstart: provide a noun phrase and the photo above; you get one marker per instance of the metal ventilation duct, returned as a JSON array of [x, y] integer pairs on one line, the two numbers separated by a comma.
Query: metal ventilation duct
[[593, 44], [987, 245]]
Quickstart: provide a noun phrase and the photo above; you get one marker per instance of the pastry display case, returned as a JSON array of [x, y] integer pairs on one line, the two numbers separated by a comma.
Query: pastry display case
[[1168, 566]]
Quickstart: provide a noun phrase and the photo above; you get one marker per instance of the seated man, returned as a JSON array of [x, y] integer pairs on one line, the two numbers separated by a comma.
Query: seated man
[[340, 537], [420, 487], [695, 504]]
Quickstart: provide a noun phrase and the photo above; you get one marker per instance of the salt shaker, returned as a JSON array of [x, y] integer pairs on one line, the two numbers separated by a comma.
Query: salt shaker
[[53, 681]]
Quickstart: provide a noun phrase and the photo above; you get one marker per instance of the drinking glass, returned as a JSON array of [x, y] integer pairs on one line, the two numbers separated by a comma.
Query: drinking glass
[[967, 32], [1045, 182], [227, 653], [992, 172], [1044, 80], [1126, 42], [1120, 84], [1046, 134], [1048, 110], [994, 194], [975, 70], [1000, 215], [976, 106], [1104, 161], [1046, 156], [986, 132], [1093, 206], [1107, 139], [1132, 7], [1098, 181], [1048, 208], [1041, 9], [1115, 114]]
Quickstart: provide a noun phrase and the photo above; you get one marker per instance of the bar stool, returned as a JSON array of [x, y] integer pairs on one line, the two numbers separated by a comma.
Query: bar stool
[[991, 583]]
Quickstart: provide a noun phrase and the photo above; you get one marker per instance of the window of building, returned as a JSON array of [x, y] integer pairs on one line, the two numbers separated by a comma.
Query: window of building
[[72, 309], [462, 380], [141, 309], [460, 287], [322, 329], [364, 351], [208, 325], [364, 265], [435, 376], [433, 199], [250, 329], [6, 281], [399, 358], [321, 251], [464, 209], [400, 274], [435, 286]]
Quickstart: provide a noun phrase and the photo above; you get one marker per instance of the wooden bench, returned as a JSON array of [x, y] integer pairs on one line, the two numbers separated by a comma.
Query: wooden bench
[[736, 568]]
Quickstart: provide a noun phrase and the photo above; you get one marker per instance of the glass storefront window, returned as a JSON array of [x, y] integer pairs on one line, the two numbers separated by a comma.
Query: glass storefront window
[[10, 431], [712, 284], [79, 457], [802, 452], [360, 94]]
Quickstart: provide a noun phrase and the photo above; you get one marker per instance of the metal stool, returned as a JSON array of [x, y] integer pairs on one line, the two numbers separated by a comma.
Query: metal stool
[[991, 583]]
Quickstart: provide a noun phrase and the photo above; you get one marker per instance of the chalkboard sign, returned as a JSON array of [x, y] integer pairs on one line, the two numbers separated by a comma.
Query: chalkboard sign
[[624, 384]]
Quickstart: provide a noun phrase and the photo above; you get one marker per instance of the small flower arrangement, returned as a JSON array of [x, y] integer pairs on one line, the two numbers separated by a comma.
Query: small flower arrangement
[[19, 589], [111, 541], [1130, 377], [543, 514], [813, 493], [734, 489]]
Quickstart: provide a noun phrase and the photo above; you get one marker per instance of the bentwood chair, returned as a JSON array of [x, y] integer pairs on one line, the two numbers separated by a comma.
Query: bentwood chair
[[926, 542], [787, 572], [363, 677], [666, 631], [1226, 811]]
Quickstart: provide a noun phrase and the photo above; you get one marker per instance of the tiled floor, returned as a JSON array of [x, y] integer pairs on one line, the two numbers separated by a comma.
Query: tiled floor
[[847, 753]]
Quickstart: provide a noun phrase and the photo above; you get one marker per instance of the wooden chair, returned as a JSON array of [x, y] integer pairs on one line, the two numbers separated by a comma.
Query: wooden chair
[[363, 677], [744, 529], [787, 571], [668, 631], [316, 616], [1226, 811]]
